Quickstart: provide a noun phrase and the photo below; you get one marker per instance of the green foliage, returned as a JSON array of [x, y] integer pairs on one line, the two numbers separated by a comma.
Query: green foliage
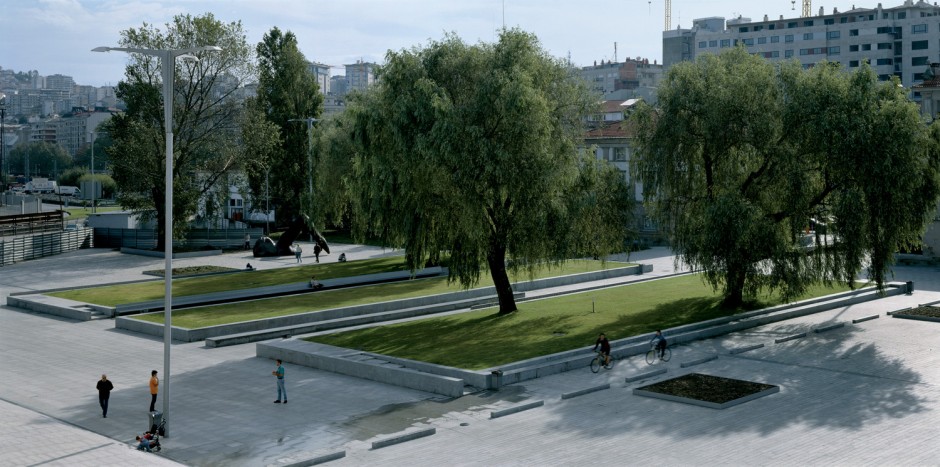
[[102, 144], [478, 340], [743, 155], [472, 150], [42, 157], [287, 90], [206, 112]]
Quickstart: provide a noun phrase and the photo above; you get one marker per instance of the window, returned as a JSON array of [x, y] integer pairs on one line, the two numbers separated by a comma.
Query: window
[[726, 42], [885, 30], [788, 38], [702, 44], [853, 64], [788, 53], [918, 77], [772, 54], [713, 43], [853, 32], [620, 154], [919, 29], [807, 36], [919, 61], [761, 40], [774, 39], [902, 15], [884, 77], [853, 48], [884, 61], [758, 28], [885, 46], [919, 45], [844, 19], [749, 41], [866, 46], [742, 29], [829, 21], [833, 35], [808, 23], [791, 25], [834, 50], [772, 27]]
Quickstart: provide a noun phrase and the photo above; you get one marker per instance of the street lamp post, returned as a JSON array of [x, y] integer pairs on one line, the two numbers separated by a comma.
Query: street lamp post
[[3, 116], [168, 68], [91, 137], [310, 121]]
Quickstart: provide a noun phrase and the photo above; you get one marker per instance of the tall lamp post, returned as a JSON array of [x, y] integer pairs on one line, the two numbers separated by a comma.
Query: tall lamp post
[[168, 62], [3, 116], [91, 137], [310, 121]]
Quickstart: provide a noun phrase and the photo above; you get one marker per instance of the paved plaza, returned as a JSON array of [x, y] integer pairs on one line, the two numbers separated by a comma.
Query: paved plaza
[[863, 394]]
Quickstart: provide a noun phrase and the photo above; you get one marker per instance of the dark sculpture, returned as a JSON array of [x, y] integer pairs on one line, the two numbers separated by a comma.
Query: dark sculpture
[[265, 246]]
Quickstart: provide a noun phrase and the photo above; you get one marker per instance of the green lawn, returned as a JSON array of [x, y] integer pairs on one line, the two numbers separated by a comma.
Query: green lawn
[[199, 317], [483, 339], [113, 295], [78, 212]]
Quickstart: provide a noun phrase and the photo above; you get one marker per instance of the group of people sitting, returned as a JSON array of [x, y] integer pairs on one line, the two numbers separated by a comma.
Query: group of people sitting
[[148, 442]]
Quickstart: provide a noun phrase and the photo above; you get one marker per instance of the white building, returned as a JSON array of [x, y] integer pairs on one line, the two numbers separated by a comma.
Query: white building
[[900, 41]]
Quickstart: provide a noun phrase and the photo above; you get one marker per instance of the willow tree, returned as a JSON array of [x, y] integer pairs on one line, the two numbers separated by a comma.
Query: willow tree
[[742, 155], [473, 151]]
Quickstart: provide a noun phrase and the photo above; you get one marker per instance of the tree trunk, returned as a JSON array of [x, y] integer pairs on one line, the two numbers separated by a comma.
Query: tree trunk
[[496, 258], [734, 287]]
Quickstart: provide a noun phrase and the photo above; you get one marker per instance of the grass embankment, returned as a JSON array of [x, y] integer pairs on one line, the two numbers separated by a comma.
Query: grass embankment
[[78, 212], [199, 317], [483, 339], [113, 295]]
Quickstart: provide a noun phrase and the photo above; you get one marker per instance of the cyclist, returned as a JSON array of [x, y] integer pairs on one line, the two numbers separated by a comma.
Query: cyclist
[[605, 347], [659, 342]]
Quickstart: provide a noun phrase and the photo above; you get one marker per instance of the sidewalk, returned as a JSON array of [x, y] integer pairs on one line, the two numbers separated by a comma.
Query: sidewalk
[[845, 394]]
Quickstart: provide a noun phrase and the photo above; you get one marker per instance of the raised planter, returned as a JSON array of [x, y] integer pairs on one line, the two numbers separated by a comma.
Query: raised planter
[[160, 254]]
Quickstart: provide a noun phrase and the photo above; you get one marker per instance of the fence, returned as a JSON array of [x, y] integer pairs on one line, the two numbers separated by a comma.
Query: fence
[[18, 249], [29, 224], [146, 239]]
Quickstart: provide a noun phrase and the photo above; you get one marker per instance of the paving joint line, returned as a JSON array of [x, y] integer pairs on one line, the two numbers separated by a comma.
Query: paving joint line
[[72, 454]]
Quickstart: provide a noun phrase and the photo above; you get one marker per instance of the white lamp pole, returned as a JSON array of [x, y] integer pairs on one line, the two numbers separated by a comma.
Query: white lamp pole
[[168, 63]]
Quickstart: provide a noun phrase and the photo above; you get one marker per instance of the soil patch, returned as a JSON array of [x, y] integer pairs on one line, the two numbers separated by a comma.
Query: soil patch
[[707, 388], [191, 271], [925, 311]]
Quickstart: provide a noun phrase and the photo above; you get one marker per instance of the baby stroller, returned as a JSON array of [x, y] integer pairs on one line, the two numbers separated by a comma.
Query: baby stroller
[[152, 437]]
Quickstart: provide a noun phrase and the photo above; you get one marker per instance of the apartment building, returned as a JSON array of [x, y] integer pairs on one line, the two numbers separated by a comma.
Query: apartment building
[[322, 72], [622, 80], [899, 41], [360, 75]]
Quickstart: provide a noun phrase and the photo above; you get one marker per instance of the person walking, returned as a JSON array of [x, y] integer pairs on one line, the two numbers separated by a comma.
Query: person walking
[[154, 386], [316, 252], [104, 393], [297, 252], [247, 241], [281, 390]]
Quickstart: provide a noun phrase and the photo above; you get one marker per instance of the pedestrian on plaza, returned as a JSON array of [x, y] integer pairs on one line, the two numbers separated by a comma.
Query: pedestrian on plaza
[[154, 385], [247, 241], [279, 373], [104, 393], [316, 252], [297, 253]]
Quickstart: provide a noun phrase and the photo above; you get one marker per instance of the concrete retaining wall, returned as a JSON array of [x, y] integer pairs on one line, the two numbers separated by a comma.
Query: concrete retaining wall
[[358, 364]]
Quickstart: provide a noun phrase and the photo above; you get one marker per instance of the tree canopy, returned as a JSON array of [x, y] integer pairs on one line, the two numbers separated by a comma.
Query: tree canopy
[[207, 109], [287, 94], [741, 157], [473, 151], [38, 158]]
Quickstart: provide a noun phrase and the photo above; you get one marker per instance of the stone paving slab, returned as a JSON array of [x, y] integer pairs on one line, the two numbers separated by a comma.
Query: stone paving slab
[[841, 392]]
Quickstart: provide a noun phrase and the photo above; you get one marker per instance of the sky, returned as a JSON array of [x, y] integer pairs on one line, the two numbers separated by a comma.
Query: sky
[[56, 36]]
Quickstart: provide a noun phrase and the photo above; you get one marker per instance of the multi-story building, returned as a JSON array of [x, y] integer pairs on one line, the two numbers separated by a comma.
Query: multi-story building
[[322, 72], [59, 82], [620, 80], [360, 75], [338, 86], [900, 41]]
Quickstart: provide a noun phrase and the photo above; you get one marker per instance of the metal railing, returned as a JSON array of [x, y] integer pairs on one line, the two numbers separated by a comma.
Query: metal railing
[[19, 249]]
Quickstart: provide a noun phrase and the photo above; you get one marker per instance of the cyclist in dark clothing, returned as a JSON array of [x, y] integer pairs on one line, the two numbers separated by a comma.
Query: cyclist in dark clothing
[[660, 342], [605, 347]]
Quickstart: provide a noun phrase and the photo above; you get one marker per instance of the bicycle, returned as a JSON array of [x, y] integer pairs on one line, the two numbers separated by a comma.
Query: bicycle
[[653, 354], [598, 361]]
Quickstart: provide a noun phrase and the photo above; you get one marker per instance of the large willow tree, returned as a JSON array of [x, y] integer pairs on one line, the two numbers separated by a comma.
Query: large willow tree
[[742, 155], [472, 151]]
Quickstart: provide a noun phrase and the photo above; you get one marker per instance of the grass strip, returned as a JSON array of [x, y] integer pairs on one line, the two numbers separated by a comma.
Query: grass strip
[[199, 317], [112, 295], [484, 339]]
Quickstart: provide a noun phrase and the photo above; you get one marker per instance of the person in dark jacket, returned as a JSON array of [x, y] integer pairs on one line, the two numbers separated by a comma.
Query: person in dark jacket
[[604, 344], [104, 393]]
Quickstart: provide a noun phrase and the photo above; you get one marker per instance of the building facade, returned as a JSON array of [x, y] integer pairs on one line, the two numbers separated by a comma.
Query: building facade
[[322, 72], [360, 75], [900, 41]]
